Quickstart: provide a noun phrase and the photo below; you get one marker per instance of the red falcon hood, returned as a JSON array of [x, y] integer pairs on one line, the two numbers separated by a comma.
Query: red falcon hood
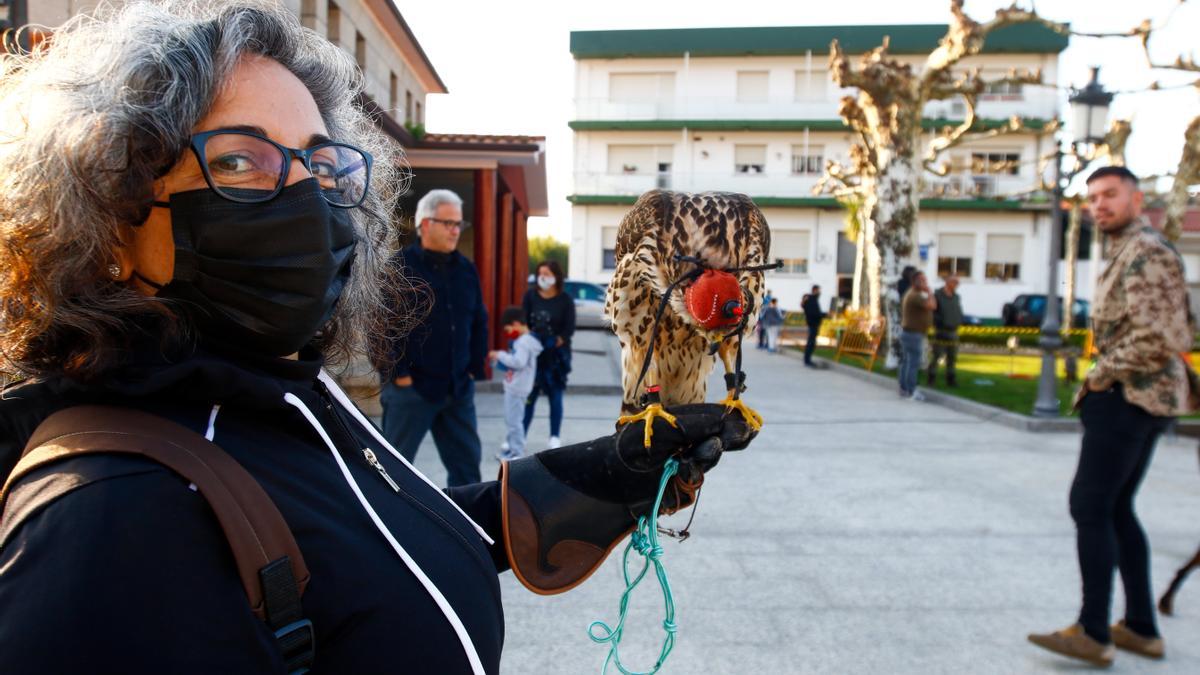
[[715, 300]]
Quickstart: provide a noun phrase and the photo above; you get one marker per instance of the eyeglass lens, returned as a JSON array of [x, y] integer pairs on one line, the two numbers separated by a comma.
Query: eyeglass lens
[[239, 161]]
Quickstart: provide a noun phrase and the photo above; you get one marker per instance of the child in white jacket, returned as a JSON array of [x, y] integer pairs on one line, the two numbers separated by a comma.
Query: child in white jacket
[[520, 368]]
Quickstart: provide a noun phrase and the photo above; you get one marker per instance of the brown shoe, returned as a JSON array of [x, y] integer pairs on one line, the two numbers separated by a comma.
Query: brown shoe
[[1075, 643], [1151, 648]]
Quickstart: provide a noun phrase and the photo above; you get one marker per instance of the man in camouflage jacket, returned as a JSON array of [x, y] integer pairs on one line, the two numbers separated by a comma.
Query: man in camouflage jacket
[[1143, 330]]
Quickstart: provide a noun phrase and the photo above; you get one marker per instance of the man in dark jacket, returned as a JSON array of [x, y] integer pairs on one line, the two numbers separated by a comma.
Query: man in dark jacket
[[813, 317], [431, 387], [946, 319]]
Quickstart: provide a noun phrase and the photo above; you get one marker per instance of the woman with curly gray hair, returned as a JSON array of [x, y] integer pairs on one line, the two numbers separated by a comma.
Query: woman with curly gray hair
[[193, 221]]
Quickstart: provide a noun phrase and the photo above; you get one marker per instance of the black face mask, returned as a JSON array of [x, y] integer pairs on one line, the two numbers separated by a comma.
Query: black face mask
[[262, 276]]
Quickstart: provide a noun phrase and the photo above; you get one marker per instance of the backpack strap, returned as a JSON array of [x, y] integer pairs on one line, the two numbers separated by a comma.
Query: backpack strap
[[268, 559]]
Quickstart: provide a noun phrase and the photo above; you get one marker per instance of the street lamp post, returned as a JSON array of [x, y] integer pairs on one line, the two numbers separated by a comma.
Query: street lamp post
[[1089, 113]]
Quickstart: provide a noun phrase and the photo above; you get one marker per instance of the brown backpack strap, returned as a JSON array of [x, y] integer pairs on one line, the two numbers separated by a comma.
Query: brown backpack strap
[[268, 559]]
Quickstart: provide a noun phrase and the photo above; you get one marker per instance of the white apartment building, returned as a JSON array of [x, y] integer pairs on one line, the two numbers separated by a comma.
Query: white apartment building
[[754, 110]]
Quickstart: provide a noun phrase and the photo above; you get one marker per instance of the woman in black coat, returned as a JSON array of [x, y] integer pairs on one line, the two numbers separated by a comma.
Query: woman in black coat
[[551, 318], [177, 244]]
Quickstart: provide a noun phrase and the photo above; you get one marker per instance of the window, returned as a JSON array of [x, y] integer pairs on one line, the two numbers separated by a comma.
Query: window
[[790, 248], [641, 87], [333, 30], [749, 158], [847, 255], [1191, 268], [808, 161], [641, 160], [608, 248], [308, 13], [393, 94], [408, 107], [419, 116], [1003, 257], [1006, 90], [811, 84], [360, 50], [996, 163], [752, 86], [954, 254]]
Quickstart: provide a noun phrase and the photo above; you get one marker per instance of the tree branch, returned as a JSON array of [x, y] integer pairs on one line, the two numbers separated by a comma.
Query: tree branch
[[966, 37]]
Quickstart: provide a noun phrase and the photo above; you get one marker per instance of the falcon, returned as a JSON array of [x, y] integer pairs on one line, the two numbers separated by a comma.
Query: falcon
[[705, 253]]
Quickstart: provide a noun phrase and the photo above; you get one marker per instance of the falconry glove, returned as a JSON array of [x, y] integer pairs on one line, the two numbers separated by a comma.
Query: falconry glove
[[564, 510]]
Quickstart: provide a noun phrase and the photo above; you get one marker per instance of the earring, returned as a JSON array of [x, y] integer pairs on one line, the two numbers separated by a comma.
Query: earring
[[114, 270]]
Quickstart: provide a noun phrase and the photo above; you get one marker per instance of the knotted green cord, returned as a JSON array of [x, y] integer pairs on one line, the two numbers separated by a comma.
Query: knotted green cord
[[644, 540]]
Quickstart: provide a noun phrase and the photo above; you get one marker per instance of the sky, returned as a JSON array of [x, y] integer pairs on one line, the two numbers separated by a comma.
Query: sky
[[509, 70]]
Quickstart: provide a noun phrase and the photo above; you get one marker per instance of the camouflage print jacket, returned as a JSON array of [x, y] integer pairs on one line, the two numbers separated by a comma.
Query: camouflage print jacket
[[1142, 323]]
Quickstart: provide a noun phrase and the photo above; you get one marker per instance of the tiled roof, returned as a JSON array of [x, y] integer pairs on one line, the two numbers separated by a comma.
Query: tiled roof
[[485, 139]]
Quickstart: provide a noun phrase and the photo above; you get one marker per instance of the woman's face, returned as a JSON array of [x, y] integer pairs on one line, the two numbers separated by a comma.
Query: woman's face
[[261, 96], [546, 278]]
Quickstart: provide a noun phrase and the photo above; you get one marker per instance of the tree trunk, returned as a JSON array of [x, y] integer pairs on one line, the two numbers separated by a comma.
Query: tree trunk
[[893, 209], [1071, 258], [857, 282]]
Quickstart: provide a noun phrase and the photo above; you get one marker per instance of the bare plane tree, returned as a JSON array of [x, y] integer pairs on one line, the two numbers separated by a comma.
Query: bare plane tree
[[890, 154]]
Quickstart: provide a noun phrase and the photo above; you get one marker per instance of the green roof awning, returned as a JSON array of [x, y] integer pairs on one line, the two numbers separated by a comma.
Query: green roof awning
[[769, 125], [831, 203], [1027, 38]]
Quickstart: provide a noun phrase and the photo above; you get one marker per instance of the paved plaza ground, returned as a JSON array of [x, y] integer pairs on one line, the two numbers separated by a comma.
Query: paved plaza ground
[[860, 533]]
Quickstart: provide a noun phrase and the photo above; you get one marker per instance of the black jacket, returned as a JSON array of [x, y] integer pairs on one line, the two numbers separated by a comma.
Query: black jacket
[[548, 320], [812, 310], [130, 573], [450, 345]]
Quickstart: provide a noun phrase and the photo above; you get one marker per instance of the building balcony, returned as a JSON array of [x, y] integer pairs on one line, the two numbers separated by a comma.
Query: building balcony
[[963, 186], [1032, 104]]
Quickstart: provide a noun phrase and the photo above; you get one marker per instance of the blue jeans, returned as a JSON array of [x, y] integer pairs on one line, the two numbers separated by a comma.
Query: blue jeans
[[408, 416], [555, 395], [912, 349]]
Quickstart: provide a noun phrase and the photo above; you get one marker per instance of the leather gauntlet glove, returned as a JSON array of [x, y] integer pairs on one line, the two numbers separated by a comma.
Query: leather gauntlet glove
[[566, 509]]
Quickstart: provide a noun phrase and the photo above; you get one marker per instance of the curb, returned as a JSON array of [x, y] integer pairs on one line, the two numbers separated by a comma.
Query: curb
[[981, 410]]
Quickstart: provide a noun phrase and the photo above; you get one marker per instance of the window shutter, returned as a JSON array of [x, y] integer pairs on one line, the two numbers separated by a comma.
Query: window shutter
[[1004, 248], [956, 246]]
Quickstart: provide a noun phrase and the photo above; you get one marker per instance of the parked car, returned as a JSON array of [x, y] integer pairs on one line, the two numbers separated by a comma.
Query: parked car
[[1029, 309], [589, 303]]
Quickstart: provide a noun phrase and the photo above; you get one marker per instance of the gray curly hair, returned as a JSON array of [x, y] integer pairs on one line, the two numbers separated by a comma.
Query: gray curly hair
[[89, 121]]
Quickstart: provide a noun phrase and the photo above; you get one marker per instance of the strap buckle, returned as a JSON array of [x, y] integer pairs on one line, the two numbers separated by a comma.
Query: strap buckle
[[297, 642]]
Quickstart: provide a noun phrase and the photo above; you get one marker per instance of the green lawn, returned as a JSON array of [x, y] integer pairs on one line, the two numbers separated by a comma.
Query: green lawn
[[985, 378]]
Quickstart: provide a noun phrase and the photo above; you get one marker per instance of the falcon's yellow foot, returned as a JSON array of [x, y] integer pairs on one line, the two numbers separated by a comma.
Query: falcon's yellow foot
[[652, 411], [753, 419]]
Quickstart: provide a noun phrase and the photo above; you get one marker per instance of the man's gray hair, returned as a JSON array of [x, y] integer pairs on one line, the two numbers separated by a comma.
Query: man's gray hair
[[91, 119], [427, 207]]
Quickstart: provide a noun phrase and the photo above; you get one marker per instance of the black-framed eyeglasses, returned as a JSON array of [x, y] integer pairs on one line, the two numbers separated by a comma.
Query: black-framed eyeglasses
[[460, 224], [246, 167]]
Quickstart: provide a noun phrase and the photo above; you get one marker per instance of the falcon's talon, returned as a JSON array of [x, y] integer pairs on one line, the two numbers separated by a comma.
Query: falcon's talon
[[753, 419], [652, 411]]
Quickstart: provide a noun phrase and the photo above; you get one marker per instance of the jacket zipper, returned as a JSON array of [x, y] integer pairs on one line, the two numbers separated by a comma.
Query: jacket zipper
[[374, 461], [368, 455]]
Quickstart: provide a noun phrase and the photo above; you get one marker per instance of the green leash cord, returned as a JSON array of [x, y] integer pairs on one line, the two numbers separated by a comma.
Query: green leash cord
[[644, 540]]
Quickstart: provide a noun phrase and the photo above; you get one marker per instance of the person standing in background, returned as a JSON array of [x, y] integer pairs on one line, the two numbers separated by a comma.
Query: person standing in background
[[772, 321], [813, 317], [916, 318], [520, 367], [431, 387], [550, 314], [946, 319], [762, 330]]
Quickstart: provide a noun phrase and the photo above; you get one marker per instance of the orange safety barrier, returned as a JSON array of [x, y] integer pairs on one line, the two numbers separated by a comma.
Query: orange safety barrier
[[860, 340]]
